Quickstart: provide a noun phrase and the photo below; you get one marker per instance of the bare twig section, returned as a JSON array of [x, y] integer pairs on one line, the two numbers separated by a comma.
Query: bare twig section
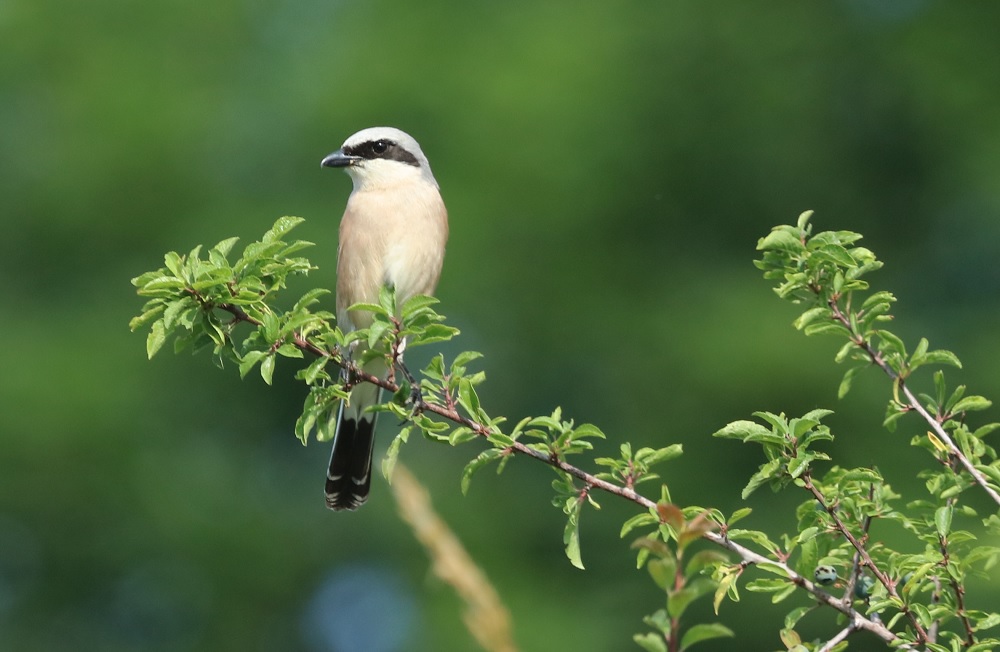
[[485, 615], [912, 402], [841, 636], [451, 414]]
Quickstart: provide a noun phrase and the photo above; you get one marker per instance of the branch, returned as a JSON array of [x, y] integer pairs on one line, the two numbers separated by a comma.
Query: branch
[[858, 620], [959, 591], [841, 636], [911, 400], [866, 558], [453, 415]]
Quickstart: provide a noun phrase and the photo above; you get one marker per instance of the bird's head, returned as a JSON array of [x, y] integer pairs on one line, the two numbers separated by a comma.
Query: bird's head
[[381, 156]]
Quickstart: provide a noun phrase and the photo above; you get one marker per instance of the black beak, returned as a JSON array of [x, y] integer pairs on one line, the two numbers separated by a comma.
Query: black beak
[[339, 160]]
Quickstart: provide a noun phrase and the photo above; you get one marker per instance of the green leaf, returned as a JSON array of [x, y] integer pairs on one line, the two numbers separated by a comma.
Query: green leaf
[[987, 621], [942, 357], [174, 263], [486, 457], [893, 413], [702, 560], [848, 380], [463, 359], [803, 221], [267, 369], [844, 351], [142, 279], [780, 239], [816, 415], [662, 571], [790, 638], [774, 568], [808, 556], [281, 227], [727, 586], [826, 328], [373, 308], [650, 642], [289, 350], [162, 283], [377, 331], [738, 515], [919, 354], [387, 299], [807, 534], [678, 601], [249, 360], [861, 475], [461, 435], [837, 254], [778, 596], [434, 333], [416, 303], [810, 316], [651, 457], [799, 465], [498, 439], [571, 535], [468, 398], [793, 616], [890, 343], [741, 430], [639, 520], [391, 455], [225, 246], [310, 373], [309, 298], [991, 472], [765, 473], [704, 632], [942, 520], [157, 336], [174, 309], [971, 404], [137, 322], [590, 430]]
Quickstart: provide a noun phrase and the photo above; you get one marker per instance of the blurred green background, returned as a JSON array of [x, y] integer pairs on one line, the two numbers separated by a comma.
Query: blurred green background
[[608, 170]]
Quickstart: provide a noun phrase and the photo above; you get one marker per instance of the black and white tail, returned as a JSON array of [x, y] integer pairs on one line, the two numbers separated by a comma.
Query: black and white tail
[[349, 477]]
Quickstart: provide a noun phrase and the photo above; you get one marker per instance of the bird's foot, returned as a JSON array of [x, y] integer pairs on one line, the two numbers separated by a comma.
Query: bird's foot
[[416, 398]]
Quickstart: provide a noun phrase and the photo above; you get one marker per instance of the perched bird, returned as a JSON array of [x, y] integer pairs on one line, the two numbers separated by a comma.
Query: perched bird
[[393, 233]]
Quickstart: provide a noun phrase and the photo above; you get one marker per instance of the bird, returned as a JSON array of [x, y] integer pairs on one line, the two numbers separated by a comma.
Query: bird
[[393, 233]]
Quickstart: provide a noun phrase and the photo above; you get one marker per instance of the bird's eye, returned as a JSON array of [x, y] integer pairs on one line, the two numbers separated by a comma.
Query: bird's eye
[[380, 147]]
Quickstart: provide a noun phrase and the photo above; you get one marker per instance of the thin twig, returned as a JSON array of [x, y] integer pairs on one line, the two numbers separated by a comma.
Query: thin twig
[[855, 575], [959, 591], [912, 403], [841, 636]]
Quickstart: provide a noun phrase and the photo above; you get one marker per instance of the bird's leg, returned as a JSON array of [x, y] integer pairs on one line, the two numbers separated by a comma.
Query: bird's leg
[[416, 399]]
